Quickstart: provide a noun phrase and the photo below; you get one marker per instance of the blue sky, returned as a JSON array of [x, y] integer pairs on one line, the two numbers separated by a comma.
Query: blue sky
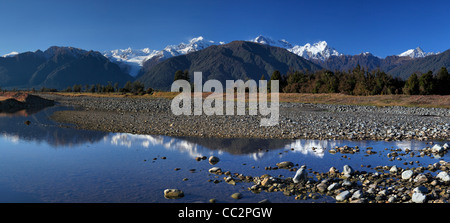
[[380, 27]]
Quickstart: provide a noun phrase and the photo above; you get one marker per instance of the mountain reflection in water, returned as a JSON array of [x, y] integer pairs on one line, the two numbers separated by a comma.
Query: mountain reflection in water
[[43, 129]]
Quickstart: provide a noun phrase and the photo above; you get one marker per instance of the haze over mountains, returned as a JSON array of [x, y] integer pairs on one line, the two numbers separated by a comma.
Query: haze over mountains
[[60, 67]]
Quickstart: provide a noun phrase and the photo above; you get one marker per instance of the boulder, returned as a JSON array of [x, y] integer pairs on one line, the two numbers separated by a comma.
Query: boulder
[[301, 175]]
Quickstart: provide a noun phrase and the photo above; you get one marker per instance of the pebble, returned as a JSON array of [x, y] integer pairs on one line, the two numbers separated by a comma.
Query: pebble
[[343, 195], [173, 193], [213, 160], [306, 120], [407, 174], [236, 196], [285, 165], [215, 170]]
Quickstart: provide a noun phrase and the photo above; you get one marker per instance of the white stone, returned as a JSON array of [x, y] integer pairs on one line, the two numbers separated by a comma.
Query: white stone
[[393, 169], [215, 170], [333, 186], [347, 170], [407, 174], [343, 195], [418, 198], [437, 148], [443, 176], [300, 176], [357, 194]]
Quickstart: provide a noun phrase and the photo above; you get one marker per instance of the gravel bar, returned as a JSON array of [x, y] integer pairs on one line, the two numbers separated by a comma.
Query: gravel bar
[[296, 121]]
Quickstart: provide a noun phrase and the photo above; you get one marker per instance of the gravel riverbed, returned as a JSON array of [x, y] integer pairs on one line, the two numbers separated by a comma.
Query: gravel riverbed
[[296, 120]]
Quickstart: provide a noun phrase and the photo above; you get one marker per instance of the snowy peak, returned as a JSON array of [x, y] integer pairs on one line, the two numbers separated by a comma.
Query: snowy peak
[[194, 44], [12, 54], [268, 41], [416, 53], [131, 60], [319, 50]]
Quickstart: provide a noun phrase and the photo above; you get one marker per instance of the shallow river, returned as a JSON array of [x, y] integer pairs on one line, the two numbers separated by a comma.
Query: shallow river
[[46, 162]]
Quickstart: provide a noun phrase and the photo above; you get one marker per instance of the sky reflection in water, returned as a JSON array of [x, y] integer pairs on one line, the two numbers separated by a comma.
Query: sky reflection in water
[[44, 162]]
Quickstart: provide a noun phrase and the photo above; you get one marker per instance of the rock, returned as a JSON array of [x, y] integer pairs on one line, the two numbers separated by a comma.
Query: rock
[[393, 169], [285, 165], [266, 181], [418, 198], [347, 171], [236, 196], [213, 160], [173, 193], [357, 194], [215, 170], [301, 175], [264, 201], [407, 174], [437, 148], [333, 186], [421, 179], [333, 170], [443, 176], [343, 195], [420, 189], [322, 187]]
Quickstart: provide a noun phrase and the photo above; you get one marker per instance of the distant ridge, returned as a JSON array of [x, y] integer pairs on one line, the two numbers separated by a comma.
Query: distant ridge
[[236, 60]]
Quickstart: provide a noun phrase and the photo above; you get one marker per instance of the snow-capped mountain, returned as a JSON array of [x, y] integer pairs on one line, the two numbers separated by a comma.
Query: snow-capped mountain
[[268, 41], [416, 53], [131, 60], [10, 54], [319, 51]]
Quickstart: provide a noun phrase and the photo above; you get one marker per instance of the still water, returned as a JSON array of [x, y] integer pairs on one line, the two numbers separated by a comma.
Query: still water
[[48, 162]]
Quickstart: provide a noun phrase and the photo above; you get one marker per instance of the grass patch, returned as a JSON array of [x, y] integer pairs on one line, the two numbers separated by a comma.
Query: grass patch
[[436, 101]]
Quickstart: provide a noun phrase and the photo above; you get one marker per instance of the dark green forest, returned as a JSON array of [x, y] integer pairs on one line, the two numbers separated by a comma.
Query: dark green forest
[[361, 82], [355, 82]]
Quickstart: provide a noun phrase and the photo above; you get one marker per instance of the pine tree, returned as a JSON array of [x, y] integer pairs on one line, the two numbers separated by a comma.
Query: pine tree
[[276, 75], [412, 85], [426, 83], [443, 82]]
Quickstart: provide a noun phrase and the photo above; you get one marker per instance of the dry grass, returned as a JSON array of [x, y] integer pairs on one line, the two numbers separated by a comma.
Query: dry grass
[[438, 101]]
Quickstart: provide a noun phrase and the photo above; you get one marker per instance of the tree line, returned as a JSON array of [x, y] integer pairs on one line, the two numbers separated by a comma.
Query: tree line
[[361, 82], [353, 82], [135, 87]]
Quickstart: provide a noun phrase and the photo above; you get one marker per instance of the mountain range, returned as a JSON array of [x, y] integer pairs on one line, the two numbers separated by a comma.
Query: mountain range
[[59, 67], [132, 60]]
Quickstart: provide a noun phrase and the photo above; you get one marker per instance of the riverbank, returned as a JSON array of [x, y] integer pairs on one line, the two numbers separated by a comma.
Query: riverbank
[[152, 115], [11, 102]]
